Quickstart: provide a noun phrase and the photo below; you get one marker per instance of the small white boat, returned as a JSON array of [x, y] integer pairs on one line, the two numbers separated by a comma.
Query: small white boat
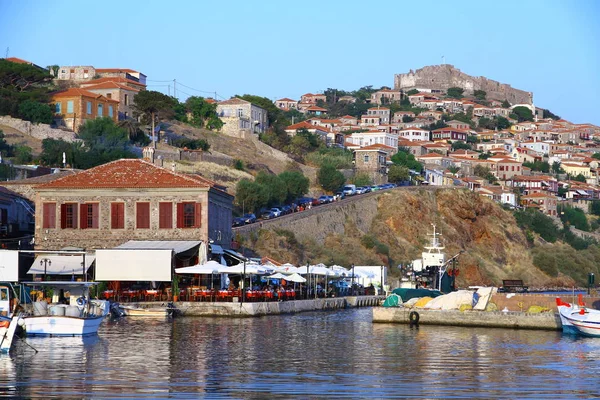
[[132, 311], [578, 319], [79, 318], [8, 326]]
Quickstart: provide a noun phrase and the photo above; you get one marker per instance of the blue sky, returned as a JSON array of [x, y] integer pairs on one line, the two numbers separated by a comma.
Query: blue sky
[[284, 49]]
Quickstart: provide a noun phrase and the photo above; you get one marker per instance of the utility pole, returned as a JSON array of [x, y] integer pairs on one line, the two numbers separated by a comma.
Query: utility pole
[[215, 96], [169, 90], [7, 48], [175, 88]]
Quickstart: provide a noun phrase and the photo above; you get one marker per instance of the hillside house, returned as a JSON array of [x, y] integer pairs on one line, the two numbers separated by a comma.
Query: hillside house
[[117, 91], [372, 160], [386, 96], [74, 106], [286, 104], [369, 138], [544, 202], [414, 134], [130, 199], [382, 112], [238, 114], [450, 134], [310, 98]]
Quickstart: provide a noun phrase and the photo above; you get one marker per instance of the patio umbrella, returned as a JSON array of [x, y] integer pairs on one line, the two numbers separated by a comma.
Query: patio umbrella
[[295, 278], [211, 267], [278, 275]]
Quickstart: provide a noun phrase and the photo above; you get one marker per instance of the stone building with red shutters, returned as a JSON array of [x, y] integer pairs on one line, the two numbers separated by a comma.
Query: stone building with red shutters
[[130, 199]]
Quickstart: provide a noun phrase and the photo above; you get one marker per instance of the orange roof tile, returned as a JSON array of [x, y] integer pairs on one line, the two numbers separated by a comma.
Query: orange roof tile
[[316, 108], [77, 92], [128, 173], [111, 85], [18, 60], [116, 79], [109, 70]]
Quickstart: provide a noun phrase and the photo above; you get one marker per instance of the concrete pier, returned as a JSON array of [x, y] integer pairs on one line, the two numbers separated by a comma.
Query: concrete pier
[[258, 309], [496, 319]]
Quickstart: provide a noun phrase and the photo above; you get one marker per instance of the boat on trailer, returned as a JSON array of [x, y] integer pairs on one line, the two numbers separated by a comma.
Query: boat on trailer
[[578, 319], [80, 317]]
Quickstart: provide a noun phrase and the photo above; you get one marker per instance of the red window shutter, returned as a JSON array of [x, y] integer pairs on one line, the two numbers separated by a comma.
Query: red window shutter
[[180, 215], [94, 216], [197, 215], [143, 215], [165, 215], [74, 206], [49, 216], [114, 211], [63, 216], [83, 216]]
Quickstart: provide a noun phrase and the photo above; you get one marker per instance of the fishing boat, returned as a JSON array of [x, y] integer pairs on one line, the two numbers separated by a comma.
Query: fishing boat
[[134, 311], [8, 327], [432, 270], [578, 319], [75, 315]]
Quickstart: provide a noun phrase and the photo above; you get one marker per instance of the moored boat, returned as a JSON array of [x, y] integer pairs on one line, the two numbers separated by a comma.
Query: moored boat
[[8, 327], [132, 311], [80, 317], [578, 319]]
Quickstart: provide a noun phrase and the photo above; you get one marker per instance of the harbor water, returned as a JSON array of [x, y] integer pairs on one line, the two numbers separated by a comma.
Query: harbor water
[[308, 355]]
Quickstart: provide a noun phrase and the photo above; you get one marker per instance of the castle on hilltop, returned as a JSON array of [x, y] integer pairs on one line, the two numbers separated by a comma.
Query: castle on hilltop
[[439, 78]]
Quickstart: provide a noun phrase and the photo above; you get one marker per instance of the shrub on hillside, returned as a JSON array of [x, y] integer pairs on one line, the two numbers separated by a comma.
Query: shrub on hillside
[[539, 223]]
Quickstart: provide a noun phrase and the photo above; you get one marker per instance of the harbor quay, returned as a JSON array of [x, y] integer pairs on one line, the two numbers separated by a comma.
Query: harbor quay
[[512, 313], [257, 309]]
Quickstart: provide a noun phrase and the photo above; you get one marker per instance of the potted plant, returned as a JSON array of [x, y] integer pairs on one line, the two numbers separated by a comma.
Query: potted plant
[[175, 287]]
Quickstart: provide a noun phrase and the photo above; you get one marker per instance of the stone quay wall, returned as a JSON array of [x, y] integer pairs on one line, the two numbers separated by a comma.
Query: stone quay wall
[[443, 77]]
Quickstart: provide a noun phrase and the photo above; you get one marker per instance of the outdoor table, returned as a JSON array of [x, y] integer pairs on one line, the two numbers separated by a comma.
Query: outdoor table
[[130, 294], [224, 294], [152, 294], [108, 294], [290, 294]]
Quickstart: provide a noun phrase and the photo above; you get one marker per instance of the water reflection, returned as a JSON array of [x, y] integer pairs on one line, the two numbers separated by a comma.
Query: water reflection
[[334, 354]]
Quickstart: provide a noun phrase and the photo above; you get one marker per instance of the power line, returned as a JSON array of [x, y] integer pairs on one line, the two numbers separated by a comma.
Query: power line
[[197, 90]]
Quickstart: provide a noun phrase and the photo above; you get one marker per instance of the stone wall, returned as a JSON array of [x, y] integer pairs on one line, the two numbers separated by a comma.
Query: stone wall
[[446, 76], [37, 131]]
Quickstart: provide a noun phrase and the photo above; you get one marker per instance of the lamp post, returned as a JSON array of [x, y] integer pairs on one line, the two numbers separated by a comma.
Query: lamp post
[[381, 278], [308, 276], [352, 279], [45, 262]]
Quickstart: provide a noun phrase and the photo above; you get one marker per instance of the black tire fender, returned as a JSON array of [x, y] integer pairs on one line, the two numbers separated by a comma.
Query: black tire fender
[[413, 318]]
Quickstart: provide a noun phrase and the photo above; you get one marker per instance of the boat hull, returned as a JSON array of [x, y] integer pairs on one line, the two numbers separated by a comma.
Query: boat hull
[[7, 334], [578, 319], [144, 312], [62, 326]]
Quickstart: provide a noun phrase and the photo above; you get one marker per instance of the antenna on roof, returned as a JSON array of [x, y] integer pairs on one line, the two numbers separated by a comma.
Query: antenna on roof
[[7, 48], [443, 60]]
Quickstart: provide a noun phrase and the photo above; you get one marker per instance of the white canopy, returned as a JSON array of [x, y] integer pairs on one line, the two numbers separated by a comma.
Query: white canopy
[[319, 269], [278, 275], [288, 268], [295, 278], [60, 264], [339, 270], [211, 267], [178, 246], [249, 269]]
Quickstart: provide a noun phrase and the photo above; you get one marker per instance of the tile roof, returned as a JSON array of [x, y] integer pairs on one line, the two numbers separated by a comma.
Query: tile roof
[[128, 173], [316, 108], [111, 85], [108, 70], [77, 92], [116, 79], [233, 101], [307, 126], [287, 99], [18, 60]]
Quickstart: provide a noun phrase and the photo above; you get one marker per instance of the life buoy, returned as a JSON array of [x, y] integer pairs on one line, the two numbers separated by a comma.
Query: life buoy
[[413, 318], [81, 301]]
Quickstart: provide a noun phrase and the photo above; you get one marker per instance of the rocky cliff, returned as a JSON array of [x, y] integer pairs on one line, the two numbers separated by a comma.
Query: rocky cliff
[[391, 228], [446, 76]]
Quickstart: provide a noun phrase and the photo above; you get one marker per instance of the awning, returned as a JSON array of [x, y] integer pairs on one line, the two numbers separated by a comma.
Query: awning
[[178, 246], [216, 249], [582, 192], [235, 255], [60, 264]]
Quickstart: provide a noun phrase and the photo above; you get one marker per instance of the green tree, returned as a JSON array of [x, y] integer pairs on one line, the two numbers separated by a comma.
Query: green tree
[[407, 118], [460, 145], [596, 156], [485, 173], [53, 149], [556, 168], [251, 196], [580, 178], [538, 222], [523, 113], [296, 184], [275, 187], [454, 169], [549, 114], [502, 123], [412, 92], [36, 112], [398, 173], [455, 92], [152, 105], [574, 217], [542, 166], [330, 178], [480, 94], [487, 123], [23, 155], [505, 104], [203, 114], [404, 158], [595, 207], [5, 149], [103, 142], [361, 179]]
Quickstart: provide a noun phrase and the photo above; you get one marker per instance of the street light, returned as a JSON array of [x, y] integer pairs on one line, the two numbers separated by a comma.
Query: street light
[[45, 262], [352, 279]]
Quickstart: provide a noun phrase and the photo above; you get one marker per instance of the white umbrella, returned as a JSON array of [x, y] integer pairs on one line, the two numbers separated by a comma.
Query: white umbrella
[[288, 269], [295, 278], [339, 270], [361, 273], [211, 267], [319, 270], [249, 269], [278, 275]]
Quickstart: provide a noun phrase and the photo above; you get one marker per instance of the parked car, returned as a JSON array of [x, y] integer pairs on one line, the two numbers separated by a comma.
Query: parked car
[[340, 194], [349, 190], [276, 211], [287, 209], [268, 214], [249, 218], [238, 221], [367, 189], [360, 190], [325, 199], [374, 188], [304, 201]]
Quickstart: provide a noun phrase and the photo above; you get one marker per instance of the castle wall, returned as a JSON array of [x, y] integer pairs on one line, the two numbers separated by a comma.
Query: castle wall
[[446, 76]]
